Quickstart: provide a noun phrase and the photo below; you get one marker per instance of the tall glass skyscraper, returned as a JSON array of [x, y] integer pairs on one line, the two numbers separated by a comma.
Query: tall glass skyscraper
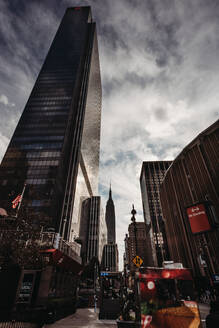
[[55, 146]]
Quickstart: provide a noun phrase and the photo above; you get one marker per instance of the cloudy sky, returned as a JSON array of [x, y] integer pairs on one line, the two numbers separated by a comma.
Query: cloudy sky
[[160, 78]]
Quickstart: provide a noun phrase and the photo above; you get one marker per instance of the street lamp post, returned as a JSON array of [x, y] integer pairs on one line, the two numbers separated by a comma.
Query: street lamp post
[[133, 212], [136, 285]]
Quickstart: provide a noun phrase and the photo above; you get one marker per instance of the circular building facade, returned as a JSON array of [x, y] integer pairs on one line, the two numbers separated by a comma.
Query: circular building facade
[[190, 203]]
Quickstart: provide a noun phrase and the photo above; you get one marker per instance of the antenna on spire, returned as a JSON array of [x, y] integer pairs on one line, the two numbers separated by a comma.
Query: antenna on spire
[[110, 191]]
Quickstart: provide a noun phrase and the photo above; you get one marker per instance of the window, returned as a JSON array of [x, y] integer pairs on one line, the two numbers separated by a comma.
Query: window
[[55, 145]]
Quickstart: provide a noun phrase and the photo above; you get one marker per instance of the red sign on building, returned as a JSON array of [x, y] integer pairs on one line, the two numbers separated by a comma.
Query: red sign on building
[[198, 218]]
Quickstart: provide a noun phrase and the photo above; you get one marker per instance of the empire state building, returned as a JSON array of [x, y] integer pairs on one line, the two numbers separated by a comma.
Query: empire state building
[[110, 220], [110, 251]]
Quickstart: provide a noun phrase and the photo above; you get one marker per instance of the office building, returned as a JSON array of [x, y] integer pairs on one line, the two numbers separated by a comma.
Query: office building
[[189, 198], [110, 219], [93, 232], [152, 174], [110, 258], [135, 244], [55, 147], [54, 153]]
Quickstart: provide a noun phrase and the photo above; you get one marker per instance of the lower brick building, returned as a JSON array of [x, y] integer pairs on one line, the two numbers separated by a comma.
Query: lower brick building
[[110, 258], [190, 204], [132, 248]]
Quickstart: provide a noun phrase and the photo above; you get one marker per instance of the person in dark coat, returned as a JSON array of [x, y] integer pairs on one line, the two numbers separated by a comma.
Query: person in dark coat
[[212, 320]]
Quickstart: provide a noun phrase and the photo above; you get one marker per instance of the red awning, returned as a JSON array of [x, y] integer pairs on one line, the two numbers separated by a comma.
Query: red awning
[[182, 274], [63, 261]]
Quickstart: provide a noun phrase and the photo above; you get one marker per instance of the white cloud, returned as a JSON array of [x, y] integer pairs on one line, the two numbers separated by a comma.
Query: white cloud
[[4, 100], [3, 145], [153, 111]]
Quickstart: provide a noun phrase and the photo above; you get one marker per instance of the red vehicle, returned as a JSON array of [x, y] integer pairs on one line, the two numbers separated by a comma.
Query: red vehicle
[[166, 298]]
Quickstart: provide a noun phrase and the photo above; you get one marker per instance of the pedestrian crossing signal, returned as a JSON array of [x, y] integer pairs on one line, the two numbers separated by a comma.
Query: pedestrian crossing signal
[[137, 260]]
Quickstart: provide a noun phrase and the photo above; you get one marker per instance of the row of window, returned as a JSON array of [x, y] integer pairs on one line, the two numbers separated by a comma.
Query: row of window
[[55, 70], [46, 145], [23, 163], [56, 85], [36, 171], [44, 154], [39, 131], [51, 92], [37, 202], [37, 98], [39, 119], [37, 138], [55, 80], [42, 125], [15, 154], [50, 113], [50, 98], [154, 178], [55, 76], [37, 181], [51, 104], [49, 75], [64, 107], [55, 88], [43, 163]]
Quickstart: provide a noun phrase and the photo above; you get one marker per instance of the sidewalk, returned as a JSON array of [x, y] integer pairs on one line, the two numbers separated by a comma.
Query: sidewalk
[[204, 311], [84, 318], [87, 318]]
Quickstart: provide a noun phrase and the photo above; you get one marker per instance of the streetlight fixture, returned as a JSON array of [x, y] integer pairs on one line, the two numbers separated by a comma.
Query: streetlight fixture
[[133, 219]]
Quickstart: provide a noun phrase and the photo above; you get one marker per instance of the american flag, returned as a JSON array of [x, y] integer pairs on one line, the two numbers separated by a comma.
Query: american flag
[[145, 321], [16, 201]]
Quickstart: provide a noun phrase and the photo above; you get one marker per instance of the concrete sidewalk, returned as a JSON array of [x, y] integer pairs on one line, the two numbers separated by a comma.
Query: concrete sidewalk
[[204, 311], [84, 318]]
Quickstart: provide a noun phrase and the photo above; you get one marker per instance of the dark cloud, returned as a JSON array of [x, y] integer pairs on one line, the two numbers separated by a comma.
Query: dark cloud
[[161, 150], [160, 114], [138, 80], [112, 37], [163, 43], [109, 86]]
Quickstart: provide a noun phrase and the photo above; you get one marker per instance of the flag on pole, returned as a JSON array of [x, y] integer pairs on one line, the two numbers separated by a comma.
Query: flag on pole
[[146, 320], [16, 201]]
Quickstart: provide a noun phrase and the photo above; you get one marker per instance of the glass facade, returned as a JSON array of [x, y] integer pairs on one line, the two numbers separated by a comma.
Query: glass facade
[[93, 232], [51, 138], [151, 178]]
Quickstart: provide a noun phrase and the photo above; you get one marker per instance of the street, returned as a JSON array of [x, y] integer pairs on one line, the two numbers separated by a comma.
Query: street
[[83, 318], [88, 318]]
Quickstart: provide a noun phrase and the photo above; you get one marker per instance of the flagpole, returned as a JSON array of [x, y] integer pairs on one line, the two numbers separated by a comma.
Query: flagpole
[[19, 205]]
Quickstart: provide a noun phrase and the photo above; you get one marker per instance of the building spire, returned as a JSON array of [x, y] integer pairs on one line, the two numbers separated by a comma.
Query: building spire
[[110, 219], [110, 192]]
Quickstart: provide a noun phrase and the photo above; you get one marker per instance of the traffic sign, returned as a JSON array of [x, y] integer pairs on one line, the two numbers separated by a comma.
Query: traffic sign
[[216, 278], [137, 260]]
